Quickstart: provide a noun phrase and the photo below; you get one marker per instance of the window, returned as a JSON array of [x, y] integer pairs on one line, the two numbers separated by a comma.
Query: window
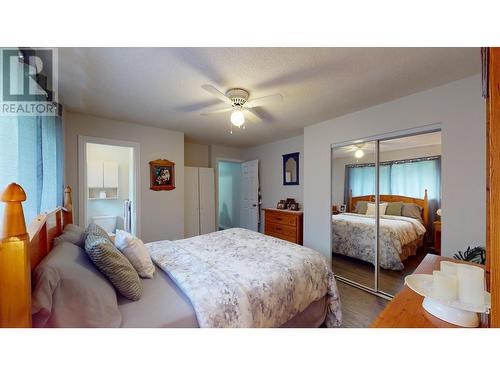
[[31, 154], [403, 177]]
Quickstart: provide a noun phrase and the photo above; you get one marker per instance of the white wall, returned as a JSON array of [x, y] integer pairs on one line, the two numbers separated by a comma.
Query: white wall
[[459, 109], [162, 212], [271, 170], [196, 155], [224, 152], [338, 166]]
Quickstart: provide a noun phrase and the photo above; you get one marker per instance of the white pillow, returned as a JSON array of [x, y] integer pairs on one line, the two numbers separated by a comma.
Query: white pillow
[[135, 251], [121, 238], [371, 209]]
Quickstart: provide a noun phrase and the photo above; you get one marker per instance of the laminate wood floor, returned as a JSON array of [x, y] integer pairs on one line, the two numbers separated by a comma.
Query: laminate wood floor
[[359, 308], [363, 272]]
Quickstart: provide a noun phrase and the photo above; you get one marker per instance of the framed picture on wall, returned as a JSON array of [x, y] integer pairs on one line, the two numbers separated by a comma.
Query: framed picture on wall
[[162, 174]]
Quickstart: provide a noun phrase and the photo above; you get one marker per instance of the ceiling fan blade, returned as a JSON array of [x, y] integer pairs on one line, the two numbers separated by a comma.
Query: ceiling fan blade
[[217, 111], [252, 116], [264, 100], [219, 95]]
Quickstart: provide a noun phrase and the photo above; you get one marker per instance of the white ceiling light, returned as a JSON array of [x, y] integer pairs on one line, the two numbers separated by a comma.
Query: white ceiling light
[[359, 153], [237, 117], [239, 105]]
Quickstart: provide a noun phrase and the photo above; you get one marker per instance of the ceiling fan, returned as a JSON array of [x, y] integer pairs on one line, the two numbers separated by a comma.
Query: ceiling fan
[[358, 149], [238, 104]]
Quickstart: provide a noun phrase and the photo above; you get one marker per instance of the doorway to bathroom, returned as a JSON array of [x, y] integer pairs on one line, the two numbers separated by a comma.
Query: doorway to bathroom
[[238, 194], [108, 175], [229, 194]]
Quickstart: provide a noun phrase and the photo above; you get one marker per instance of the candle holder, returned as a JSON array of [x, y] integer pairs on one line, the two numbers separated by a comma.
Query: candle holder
[[438, 289]]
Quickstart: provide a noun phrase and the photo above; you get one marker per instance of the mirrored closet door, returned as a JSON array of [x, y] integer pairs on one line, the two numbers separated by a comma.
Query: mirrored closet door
[[353, 228], [391, 191]]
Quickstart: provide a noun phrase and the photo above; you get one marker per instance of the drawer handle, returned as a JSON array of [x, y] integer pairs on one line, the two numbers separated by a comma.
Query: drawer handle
[[278, 228]]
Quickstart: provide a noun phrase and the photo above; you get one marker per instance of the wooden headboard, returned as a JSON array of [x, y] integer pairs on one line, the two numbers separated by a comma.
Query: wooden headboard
[[422, 202], [21, 250]]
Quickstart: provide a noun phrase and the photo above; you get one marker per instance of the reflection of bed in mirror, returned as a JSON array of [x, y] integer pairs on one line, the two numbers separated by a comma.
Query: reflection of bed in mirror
[[353, 234]]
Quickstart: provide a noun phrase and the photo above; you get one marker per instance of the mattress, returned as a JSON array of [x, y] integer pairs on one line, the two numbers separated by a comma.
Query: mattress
[[164, 305]]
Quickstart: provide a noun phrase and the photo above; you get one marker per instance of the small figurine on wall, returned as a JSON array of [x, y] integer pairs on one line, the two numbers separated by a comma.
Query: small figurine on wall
[[162, 174]]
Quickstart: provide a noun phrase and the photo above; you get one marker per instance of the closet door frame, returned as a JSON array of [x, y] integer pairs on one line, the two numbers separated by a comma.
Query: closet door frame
[[431, 128]]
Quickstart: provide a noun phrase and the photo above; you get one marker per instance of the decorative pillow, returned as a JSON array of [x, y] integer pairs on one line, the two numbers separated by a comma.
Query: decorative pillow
[[70, 292], [394, 208], [361, 207], [371, 209], [412, 210], [72, 234], [97, 230], [135, 251], [114, 265]]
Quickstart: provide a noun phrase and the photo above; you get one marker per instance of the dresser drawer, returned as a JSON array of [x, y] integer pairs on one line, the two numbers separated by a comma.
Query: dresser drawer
[[279, 218], [286, 225], [284, 230], [281, 236]]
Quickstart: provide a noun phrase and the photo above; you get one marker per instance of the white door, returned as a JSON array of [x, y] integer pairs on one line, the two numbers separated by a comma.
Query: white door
[[191, 202], [249, 213], [207, 200]]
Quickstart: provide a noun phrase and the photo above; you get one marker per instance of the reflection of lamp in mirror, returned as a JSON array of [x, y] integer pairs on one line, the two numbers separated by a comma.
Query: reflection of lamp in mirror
[[359, 153]]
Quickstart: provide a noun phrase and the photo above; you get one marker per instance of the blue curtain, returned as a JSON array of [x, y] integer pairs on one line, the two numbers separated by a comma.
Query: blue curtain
[[31, 154], [404, 177]]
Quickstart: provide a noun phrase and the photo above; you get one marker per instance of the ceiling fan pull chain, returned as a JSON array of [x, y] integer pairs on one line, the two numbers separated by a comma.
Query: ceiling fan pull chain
[[230, 127]]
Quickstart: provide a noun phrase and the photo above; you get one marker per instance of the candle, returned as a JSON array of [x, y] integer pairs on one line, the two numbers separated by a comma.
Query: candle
[[470, 284], [448, 268], [444, 286]]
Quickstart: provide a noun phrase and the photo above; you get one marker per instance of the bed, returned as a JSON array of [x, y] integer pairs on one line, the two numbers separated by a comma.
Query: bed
[[353, 234], [232, 278]]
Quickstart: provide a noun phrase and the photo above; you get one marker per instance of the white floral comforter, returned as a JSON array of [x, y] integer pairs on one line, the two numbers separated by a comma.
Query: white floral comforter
[[241, 278], [354, 235]]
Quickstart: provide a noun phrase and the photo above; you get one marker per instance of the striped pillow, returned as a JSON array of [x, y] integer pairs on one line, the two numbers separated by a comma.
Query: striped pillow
[[96, 230], [114, 265]]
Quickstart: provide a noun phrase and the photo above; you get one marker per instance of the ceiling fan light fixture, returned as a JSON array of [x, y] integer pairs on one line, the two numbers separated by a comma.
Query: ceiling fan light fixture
[[237, 117], [359, 153]]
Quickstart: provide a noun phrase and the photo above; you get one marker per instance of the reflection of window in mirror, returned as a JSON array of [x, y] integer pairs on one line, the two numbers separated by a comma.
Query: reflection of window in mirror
[[291, 169]]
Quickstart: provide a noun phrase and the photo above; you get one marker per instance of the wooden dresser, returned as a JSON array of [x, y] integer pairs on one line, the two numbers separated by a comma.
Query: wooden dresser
[[406, 310], [284, 224]]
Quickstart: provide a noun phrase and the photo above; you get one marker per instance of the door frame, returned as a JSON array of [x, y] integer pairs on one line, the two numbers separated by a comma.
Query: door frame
[[82, 176], [217, 160], [493, 182]]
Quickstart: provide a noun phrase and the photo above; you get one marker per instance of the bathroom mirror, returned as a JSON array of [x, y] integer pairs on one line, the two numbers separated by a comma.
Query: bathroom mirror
[[291, 169]]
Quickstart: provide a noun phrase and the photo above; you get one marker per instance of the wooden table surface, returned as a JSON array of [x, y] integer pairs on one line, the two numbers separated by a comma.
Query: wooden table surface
[[406, 310]]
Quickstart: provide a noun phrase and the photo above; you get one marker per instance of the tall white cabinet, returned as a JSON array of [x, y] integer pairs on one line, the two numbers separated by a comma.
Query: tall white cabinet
[[199, 201]]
